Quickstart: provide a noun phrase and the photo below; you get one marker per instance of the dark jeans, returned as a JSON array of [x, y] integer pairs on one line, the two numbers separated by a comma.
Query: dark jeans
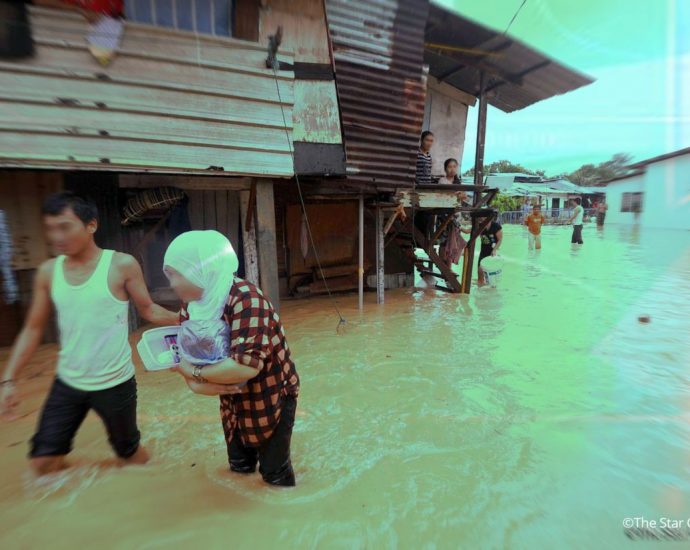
[[273, 455], [577, 234], [65, 410]]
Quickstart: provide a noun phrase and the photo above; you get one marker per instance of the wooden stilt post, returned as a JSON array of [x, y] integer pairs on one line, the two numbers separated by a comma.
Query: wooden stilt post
[[266, 240], [380, 244], [251, 258], [360, 270], [478, 180]]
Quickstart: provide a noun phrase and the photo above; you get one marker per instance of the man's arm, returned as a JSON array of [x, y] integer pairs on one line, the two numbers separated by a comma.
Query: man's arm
[[139, 294], [29, 338]]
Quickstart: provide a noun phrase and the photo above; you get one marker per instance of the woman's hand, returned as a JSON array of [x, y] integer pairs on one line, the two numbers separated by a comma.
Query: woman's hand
[[212, 389], [185, 368]]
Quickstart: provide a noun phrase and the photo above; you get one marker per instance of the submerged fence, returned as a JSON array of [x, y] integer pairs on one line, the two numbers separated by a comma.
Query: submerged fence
[[552, 215]]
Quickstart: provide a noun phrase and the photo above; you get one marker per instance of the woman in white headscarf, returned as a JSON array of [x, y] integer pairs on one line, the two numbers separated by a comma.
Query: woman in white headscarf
[[257, 417], [200, 266]]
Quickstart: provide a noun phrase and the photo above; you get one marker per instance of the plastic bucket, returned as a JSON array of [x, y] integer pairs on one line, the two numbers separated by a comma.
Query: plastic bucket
[[493, 269], [154, 350]]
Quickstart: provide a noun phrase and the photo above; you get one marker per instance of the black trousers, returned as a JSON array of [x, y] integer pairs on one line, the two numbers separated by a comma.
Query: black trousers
[[273, 455], [65, 410], [577, 234]]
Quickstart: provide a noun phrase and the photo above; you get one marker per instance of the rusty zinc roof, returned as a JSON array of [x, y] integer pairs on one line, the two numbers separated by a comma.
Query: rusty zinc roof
[[458, 50], [378, 52]]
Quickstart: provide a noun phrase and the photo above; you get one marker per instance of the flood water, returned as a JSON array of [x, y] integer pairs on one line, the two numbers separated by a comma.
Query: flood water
[[538, 414]]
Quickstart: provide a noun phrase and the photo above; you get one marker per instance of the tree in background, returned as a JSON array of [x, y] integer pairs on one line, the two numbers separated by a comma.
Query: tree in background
[[506, 167], [504, 203], [589, 174]]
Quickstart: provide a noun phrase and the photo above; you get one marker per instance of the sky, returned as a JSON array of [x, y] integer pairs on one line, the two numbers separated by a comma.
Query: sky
[[637, 50]]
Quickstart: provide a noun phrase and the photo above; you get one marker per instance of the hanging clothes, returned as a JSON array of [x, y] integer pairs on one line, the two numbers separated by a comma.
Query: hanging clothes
[[113, 8], [9, 283], [454, 245], [105, 37]]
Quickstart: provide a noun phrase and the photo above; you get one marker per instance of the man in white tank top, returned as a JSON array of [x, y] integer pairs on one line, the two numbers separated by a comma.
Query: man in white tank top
[[90, 289], [576, 220]]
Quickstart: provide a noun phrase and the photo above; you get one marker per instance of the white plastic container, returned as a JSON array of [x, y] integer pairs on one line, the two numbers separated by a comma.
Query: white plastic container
[[153, 346], [493, 268]]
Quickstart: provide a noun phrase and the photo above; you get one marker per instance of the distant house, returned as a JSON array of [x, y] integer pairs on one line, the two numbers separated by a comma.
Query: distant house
[[655, 194], [552, 195]]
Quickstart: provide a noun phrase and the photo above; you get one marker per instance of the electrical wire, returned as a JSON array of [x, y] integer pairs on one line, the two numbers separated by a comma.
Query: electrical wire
[[342, 321], [514, 16]]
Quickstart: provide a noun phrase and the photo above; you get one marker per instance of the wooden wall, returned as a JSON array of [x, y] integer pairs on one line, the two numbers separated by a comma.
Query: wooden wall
[[169, 101], [21, 197]]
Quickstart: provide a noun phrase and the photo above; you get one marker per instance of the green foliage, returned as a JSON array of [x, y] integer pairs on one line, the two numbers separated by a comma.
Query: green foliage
[[504, 203], [587, 174], [505, 167]]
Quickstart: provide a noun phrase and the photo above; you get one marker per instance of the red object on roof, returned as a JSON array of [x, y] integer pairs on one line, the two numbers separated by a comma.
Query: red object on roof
[[114, 8]]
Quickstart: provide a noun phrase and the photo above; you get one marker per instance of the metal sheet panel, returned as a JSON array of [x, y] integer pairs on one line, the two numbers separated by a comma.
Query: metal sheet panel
[[378, 49], [458, 50], [171, 101]]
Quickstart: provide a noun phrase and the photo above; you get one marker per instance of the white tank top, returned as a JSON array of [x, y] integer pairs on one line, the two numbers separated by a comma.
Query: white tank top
[[578, 217], [93, 324]]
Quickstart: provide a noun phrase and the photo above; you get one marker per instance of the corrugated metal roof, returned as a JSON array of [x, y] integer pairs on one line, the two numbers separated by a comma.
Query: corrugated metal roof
[[171, 101], [378, 51], [458, 49], [643, 163]]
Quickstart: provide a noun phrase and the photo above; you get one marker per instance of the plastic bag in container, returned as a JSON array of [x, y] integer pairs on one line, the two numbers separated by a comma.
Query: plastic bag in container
[[204, 342]]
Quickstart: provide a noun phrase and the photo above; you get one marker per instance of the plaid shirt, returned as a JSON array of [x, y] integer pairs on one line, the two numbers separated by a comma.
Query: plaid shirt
[[257, 340]]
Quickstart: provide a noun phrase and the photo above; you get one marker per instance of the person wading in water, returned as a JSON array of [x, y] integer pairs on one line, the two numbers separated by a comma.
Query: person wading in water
[[90, 289], [258, 417]]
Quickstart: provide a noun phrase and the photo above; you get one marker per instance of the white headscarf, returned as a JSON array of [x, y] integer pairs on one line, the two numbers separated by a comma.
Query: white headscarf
[[206, 259]]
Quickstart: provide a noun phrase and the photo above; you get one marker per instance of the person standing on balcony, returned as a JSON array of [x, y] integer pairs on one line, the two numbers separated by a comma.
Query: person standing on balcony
[[423, 173], [576, 220], [422, 220]]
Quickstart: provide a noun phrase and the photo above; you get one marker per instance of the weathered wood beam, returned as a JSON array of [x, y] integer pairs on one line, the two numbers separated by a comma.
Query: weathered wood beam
[[468, 256], [380, 252], [251, 257], [360, 267], [266, 240]]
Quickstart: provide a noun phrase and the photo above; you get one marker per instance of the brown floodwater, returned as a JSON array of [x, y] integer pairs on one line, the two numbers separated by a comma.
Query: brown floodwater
[[537, 414]]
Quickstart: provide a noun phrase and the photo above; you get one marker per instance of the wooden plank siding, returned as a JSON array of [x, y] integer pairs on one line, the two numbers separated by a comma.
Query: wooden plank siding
[[170, 102]]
